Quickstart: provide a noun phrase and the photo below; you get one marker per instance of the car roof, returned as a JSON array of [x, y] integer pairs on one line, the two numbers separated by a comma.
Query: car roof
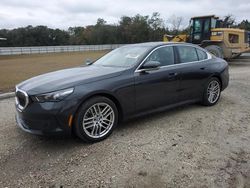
[[153, 45], [156, 44]]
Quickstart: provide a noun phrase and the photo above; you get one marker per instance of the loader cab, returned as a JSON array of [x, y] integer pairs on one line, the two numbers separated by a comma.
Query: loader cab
[[200, 28]]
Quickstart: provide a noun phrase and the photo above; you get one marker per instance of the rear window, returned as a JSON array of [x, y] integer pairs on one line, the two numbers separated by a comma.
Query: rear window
[[201, 54], [187, 54]]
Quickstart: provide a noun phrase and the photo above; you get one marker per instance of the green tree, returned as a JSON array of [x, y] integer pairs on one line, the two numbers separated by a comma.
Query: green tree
[[245, 24], [156, 24], [76, 35]]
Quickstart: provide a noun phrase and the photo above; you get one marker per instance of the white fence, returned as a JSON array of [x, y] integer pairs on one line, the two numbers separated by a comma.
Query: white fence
[[55, 49]]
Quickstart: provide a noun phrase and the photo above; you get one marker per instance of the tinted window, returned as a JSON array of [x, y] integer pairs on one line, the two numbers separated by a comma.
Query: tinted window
[[164, 55], [187, 54], [206, 25], [201, 54], [197, 26]]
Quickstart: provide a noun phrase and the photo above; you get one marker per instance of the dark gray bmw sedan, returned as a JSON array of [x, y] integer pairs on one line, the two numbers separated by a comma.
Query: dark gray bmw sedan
[[130, 81]]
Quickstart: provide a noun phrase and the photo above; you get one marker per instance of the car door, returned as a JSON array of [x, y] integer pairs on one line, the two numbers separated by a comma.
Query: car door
[[193, 64], [158, 87]]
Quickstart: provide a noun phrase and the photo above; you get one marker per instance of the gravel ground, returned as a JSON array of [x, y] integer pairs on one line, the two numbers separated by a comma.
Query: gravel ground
[[191, 146]]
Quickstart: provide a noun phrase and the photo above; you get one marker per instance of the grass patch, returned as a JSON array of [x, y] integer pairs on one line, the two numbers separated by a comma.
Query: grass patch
[[16, 68]]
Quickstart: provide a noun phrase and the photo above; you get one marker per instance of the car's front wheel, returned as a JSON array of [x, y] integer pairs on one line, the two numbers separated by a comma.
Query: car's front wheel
[[96, 119], [212, 92]]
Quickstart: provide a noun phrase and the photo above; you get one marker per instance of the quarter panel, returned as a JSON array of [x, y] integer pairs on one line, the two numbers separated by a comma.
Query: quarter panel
[[193, 76]]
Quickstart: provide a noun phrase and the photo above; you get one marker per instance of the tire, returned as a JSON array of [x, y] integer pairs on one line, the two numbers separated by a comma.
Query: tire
[[96, 119], [236, 56], [215, 50], [208, 98]]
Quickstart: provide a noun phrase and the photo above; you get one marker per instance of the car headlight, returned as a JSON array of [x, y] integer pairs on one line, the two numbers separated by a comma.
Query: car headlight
[[53, 96]]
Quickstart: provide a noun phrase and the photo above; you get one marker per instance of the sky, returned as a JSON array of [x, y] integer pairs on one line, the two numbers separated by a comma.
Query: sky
[[65, 13]]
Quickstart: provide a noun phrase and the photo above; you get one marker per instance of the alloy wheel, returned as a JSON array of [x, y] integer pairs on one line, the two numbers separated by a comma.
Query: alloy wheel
[[213, 91], [98, 120]]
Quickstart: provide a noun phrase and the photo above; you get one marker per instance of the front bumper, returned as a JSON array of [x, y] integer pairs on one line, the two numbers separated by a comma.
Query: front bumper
[[50, 118], [46, 127]]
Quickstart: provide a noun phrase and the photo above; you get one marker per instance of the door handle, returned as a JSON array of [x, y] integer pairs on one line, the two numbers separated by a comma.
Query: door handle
[[172, 74], [203, 68]]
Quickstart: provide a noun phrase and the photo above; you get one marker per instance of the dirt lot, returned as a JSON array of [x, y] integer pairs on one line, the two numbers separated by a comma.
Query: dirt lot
[[191, 146], [16, 68]]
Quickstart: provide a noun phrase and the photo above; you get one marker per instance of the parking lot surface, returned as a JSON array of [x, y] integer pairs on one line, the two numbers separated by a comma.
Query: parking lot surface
[[191, 146]]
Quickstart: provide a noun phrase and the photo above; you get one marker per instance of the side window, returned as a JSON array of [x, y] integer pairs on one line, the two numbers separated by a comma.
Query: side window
[[206, 25], [187, 54], [233, 38], [197, 26], [164, 55], [201, 54]]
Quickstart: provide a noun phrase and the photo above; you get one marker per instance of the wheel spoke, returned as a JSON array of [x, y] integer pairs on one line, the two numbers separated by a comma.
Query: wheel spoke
[[96, 130], [89, 119], [89, 122], [105, 124], [106, 111], [92, 111], [100, 128], [104, 119], [211, 97], [213, 85], [93, 130], [92, 125], [216, 88], [99, 109], [95, 109], [107, 115], [101, 125]]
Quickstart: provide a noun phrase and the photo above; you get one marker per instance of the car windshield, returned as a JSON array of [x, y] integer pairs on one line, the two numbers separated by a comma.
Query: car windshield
[[126, 56]]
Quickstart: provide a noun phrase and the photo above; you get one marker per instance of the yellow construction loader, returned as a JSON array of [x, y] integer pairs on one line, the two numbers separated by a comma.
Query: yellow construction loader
[[207, 32]]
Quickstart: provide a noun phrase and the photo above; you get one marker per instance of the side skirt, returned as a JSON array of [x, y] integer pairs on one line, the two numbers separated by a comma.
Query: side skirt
[[161, 109]]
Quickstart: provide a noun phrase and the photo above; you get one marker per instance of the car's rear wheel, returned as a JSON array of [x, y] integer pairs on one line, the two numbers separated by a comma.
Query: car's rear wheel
[[96, 119], [212, 92]]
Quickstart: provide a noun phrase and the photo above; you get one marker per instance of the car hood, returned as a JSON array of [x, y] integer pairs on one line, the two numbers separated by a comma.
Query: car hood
[[66, 78]]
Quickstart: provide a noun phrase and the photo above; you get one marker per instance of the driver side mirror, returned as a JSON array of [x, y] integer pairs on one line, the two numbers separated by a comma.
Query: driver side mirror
[[89, 62], [151, 65]]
